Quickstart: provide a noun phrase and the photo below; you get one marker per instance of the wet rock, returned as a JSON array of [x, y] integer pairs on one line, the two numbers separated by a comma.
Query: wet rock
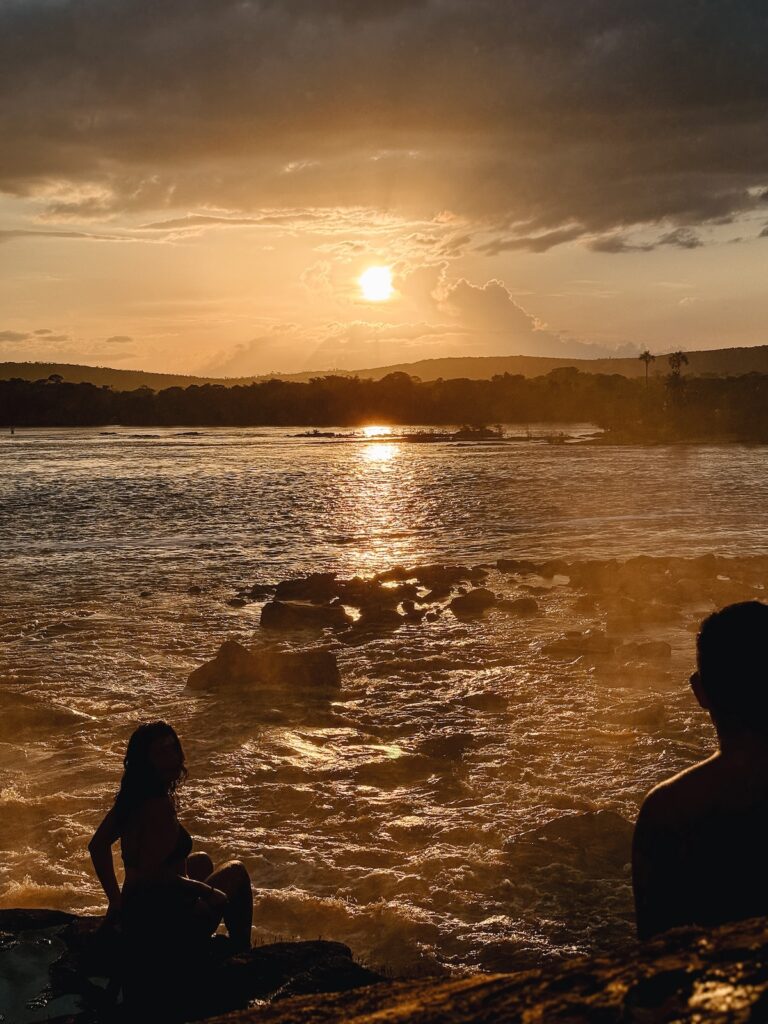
[[439, 577], [688, 976], [145, 594], [259, 592], [194, 591], [554, 567], [397, 572], [287, 615], [472, 604], [412, 613], [317, 587], [522, 606], [54, 956], [362, 593], [237, 602], [238, 668], [515, 566], [378, 617]]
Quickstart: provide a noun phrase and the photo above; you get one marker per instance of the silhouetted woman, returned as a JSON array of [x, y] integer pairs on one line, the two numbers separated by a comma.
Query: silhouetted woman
[[166, 886]]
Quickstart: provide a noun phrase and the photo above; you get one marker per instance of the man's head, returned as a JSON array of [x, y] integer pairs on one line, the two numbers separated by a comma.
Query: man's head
[[732, 677]]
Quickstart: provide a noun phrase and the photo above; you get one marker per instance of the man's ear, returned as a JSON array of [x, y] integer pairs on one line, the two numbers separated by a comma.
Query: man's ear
[[698, 691]]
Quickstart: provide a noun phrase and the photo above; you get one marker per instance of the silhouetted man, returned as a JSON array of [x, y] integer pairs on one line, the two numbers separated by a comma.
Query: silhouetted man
[[699, 852]]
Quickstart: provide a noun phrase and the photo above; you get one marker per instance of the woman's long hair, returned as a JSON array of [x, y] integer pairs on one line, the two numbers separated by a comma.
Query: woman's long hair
[[140, 779]]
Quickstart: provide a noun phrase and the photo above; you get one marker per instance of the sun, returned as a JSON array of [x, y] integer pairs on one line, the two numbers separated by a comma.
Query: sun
[[376, 284]]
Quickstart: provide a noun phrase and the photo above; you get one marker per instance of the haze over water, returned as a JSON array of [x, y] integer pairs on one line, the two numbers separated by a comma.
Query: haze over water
[[443, 810]]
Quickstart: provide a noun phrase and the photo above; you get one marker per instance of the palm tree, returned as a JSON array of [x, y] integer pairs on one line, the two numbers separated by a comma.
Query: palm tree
[[676, 362], [647, 358]]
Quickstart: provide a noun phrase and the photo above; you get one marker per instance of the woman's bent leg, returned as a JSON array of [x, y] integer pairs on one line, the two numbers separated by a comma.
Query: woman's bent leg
[[199, 866], [233, 880]]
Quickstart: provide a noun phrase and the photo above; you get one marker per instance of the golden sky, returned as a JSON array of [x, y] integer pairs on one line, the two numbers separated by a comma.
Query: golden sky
[[199, 186]]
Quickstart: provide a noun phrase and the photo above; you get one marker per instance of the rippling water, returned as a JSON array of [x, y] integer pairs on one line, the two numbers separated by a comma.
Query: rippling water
[[444, 810]]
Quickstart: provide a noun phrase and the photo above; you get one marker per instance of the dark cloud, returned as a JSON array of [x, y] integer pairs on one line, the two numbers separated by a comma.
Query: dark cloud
[[533, 243], [679, 238], [12, 336], [118, 339], [533, 116]]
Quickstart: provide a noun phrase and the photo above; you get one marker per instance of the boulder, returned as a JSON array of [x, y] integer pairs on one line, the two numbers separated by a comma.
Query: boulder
[[236, 667], [472, 604], [523, 606], [515, 566], [286, 615], [259, 592], [362, 593], [438, 576], [374, 617], [318, 587]]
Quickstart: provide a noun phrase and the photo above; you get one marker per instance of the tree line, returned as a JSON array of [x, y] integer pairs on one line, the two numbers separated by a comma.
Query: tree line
[[671, 407]]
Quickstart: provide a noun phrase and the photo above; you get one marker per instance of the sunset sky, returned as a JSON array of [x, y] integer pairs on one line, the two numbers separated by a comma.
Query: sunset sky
[[199, 185]]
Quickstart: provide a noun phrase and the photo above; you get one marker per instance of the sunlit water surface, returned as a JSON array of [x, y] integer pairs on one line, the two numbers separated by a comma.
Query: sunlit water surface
[[441, 812]]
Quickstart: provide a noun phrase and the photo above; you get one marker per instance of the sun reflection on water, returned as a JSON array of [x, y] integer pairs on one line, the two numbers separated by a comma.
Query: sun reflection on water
[[380, 452], [376, 431]]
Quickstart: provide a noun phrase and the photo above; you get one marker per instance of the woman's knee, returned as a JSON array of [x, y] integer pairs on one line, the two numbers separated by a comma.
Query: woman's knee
[[199, 866], [233, 873]]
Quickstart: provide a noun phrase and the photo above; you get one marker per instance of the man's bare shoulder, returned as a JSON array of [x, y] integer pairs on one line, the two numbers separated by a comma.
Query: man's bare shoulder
[[678, 798]]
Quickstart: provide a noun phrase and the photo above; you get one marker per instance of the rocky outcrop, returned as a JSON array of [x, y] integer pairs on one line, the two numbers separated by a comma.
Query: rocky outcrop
[[235, 667], [69, 968], [686, 977]]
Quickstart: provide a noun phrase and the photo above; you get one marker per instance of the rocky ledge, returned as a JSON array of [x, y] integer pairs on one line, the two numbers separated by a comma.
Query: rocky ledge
[[59, 967], [48, 961], [688, 976]]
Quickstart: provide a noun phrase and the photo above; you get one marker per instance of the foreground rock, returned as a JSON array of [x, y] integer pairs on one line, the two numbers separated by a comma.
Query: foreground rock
[[473, 604], [236, 667], [687, 977], [59, 966]]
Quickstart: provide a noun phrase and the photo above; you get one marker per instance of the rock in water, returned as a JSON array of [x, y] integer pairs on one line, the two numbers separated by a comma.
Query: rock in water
[[523, 606], [238, 668], [473, 604], [318, 586], [286, 615]]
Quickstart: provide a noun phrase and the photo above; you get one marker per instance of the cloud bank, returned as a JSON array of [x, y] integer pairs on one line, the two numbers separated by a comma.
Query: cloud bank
[[549, 119]]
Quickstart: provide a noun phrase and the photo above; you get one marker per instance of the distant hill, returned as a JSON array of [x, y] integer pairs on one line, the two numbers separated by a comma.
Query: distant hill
[[721, 362], [121, 380]]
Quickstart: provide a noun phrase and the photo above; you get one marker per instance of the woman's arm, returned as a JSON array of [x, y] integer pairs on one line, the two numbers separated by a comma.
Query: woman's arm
[[100, 849]]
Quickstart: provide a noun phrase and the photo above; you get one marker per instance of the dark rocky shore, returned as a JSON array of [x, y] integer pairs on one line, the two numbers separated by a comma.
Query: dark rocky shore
[[62, 967], [52, 967]]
